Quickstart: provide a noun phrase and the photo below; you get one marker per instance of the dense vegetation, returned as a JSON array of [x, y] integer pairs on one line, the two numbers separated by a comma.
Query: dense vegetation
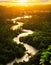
[[43, 57], [14, 11], [38, 39], [8, 48], [40, 23]]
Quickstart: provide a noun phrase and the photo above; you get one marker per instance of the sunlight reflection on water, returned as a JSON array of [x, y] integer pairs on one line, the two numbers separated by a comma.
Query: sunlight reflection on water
[[19, 24], [30, 50], [23, 17]]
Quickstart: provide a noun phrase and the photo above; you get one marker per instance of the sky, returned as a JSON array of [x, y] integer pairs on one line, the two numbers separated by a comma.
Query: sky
[[28, 1]]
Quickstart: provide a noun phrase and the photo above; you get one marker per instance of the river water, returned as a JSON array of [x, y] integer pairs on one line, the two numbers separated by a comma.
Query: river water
[[30, 50]]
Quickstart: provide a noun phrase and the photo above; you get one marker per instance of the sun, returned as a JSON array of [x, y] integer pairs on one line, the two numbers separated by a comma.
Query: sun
[[22, 2]]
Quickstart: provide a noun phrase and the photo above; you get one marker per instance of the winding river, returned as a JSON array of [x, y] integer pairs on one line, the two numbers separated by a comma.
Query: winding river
[[30, 50]]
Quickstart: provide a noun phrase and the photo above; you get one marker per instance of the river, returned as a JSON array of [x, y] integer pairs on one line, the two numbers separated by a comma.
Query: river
[[30, 49]]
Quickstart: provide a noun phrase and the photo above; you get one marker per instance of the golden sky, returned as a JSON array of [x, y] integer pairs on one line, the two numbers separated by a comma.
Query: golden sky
[[30, 1], [27, 0], [24, 2]]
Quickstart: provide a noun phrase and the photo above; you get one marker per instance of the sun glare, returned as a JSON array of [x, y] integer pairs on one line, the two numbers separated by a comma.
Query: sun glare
[[22, 2]]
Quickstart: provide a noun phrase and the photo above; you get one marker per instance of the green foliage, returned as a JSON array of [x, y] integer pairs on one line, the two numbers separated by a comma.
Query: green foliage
[[1, 64], [42, 57], [40, 21], [8, 48], [38, 39], [46, 56], [20, 49]]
